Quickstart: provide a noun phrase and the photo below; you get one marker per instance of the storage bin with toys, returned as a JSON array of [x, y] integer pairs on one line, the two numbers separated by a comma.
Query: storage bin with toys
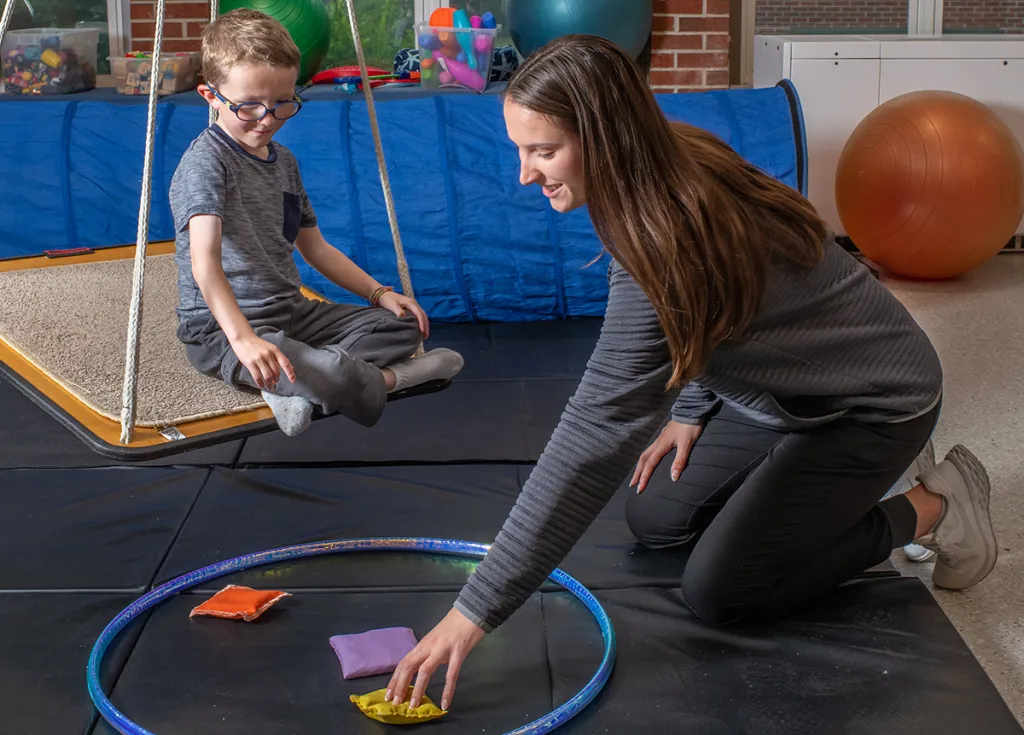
[[49, 60], [177, 72], [456, 50]]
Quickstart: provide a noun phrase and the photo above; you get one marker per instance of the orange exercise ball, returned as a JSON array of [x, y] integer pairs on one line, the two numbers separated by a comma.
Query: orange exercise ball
[[930, 185]]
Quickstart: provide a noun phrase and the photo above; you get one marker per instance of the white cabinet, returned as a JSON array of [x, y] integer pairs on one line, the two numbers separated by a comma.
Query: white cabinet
[[840, 79]]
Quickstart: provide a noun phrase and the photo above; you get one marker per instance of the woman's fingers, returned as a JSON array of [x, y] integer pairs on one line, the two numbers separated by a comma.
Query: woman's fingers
[[402, 677], [423, 675], [451, 678], [655, 453]]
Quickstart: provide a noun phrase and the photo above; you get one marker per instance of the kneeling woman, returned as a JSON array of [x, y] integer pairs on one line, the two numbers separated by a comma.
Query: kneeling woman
[[799, 389]]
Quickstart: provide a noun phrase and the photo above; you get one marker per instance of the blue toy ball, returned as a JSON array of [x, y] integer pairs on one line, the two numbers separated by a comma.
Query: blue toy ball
[[533, 23]]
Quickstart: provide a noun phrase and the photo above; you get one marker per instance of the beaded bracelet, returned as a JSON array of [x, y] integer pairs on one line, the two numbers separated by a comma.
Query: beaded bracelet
[[375, 296]]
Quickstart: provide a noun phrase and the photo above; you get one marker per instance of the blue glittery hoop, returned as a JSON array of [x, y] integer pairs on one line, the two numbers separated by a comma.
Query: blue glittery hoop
[[544, 724]]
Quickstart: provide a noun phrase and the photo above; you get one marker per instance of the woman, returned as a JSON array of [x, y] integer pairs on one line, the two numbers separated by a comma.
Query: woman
[[799, 388]]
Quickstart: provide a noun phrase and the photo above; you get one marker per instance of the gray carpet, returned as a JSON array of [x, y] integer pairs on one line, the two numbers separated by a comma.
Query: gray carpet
[[72, 321]]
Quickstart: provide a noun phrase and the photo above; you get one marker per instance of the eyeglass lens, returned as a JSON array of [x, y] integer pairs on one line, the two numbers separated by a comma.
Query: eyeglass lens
[[255, 111]]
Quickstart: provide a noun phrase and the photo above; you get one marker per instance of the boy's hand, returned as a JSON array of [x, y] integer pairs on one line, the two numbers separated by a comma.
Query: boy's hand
[[263, 360], [397, 304]]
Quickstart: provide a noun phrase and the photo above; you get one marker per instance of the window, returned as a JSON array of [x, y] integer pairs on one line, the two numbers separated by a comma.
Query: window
[[388, 26], [972, 16], [385, 27], [792, 17]]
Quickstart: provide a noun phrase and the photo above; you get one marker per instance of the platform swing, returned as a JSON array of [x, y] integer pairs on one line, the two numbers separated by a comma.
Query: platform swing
[[62, 312]]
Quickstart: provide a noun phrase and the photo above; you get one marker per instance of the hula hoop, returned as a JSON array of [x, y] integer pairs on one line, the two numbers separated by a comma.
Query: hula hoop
[[544, 724]]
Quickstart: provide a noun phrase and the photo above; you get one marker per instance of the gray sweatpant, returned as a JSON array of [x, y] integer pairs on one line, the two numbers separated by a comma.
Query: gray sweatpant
[[337, 351]]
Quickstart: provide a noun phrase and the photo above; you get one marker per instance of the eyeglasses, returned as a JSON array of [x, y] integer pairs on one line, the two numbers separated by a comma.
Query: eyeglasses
[[256, 111]]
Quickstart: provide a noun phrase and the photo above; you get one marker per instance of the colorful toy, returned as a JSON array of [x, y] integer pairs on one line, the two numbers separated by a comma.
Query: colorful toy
[[466, 40], [46, 68], [175, 73], [462, 74], [442, 18], [330, 76], [456, 49], [348, 78]]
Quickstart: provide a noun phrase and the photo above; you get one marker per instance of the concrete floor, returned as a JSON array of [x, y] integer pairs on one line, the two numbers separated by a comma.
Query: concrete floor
[[977, 325]]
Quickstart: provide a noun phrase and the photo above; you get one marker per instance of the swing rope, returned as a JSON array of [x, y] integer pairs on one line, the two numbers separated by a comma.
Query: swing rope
[[131, 364], [214, 10], [385, 182], [5, 20]]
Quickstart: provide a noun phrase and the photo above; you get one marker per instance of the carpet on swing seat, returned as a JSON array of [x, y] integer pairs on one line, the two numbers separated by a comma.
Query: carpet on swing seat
[[71, 322]]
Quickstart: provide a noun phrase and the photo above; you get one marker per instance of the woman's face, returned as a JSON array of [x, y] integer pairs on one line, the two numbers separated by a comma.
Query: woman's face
[[548, 156]]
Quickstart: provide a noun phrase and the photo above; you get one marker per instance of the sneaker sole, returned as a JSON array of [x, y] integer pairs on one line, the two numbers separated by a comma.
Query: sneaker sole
[[917, 553], [978, 490]]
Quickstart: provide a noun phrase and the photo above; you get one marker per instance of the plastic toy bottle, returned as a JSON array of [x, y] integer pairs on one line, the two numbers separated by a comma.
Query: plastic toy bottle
[[461, 20]]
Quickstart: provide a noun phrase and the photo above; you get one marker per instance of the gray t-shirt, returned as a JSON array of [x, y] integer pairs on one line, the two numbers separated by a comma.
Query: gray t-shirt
[[262, 205]]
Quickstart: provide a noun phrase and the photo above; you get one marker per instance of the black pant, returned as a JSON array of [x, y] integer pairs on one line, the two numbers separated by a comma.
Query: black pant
[[776, 519]]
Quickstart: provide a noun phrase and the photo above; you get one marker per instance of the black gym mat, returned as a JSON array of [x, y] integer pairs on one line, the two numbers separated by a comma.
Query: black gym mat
[[44, 650], [493, 421], [241, 512], [875, 656], [29, 437], [90, 529], [501, 408], [481, 422], [520, 350], [245, 511], [279, 674]]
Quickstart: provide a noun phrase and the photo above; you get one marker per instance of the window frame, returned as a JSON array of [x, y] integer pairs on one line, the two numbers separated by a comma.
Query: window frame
[[924, 17], [425, 7], [119, 26]]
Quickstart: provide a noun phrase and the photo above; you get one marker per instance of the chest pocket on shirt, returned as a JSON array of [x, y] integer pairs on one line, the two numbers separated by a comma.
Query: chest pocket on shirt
[[292, 216]]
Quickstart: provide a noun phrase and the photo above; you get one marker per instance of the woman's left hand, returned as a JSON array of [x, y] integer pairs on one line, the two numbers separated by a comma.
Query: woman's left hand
[[398, 304]]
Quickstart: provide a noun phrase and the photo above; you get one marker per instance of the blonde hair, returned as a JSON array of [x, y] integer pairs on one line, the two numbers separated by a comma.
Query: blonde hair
[[246, 36], [693, 222]]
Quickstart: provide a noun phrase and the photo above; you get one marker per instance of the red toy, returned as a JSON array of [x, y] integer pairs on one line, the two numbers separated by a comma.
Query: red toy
[[329, 76]]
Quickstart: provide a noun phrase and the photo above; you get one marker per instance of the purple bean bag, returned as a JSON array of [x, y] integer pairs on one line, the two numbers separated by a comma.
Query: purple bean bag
[[373, 652]]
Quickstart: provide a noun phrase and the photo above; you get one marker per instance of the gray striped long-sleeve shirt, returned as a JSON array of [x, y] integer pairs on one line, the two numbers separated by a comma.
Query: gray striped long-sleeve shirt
[[828, 342]]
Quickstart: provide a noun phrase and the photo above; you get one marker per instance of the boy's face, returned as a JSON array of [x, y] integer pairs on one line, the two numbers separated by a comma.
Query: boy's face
[[252, 83]]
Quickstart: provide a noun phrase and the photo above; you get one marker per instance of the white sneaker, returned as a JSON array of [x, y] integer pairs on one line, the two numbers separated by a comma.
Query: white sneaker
[[918, 553], [963, 536], [924, 461]]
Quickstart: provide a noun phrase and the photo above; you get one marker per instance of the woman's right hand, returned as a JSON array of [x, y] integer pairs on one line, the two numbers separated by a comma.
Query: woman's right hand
[[449, 643], [263, 360], [675, 435]]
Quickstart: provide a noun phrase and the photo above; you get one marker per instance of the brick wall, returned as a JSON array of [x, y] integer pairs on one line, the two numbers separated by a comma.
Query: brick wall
[[185, 20], [988, 16], [690, 47], [793, 16]]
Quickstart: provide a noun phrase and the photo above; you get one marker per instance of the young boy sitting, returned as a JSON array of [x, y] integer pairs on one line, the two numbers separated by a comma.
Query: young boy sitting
[[240, 210]]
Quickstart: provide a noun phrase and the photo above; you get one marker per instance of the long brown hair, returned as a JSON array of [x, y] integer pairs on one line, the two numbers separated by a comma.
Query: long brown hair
[[692, 221]]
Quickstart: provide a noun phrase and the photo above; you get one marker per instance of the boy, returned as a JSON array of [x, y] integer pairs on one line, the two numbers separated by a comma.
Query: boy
[[239, 211]]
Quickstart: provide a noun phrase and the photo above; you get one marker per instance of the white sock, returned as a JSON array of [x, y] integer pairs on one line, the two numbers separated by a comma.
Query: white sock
[[293, 413], [439, 364]]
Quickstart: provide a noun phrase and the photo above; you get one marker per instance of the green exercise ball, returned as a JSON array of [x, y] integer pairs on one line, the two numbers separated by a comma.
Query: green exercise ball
[[307, 22], [533, 23]]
